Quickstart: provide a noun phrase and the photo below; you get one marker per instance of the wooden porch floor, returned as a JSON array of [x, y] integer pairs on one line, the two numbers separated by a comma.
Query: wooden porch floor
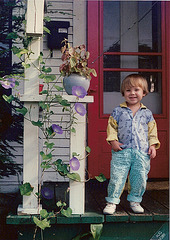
[[155, 202]]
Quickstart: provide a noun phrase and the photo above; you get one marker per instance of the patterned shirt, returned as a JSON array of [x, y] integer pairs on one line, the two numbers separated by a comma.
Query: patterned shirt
[[136, 132]]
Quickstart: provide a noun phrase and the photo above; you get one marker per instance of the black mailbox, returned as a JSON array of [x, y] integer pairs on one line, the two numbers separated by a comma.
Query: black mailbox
[[59, 31]]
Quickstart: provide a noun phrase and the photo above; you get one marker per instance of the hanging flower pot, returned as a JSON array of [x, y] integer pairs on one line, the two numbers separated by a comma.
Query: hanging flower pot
[[74, 67], [75, 80]]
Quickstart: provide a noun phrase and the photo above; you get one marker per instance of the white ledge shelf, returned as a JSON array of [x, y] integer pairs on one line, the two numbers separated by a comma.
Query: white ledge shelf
[[69, 98]]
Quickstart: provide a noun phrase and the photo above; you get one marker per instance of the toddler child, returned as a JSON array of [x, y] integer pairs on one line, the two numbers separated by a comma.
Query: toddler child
[[132, 133]]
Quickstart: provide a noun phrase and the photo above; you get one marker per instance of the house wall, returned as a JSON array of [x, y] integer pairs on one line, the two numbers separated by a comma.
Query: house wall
[[74, 12]]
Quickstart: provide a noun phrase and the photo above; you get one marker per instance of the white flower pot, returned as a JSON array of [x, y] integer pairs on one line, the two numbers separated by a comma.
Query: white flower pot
[[75, 80]]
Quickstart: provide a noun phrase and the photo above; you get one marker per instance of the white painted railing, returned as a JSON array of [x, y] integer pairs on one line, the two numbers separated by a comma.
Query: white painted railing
[[31, 156], [31, 98], [78, 144]]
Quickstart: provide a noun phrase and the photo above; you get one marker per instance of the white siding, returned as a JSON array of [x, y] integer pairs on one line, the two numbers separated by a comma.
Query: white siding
[[62, 142], [75, 13]]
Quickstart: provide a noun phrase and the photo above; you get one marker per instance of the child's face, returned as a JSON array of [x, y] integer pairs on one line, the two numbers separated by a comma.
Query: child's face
[[133, 95]]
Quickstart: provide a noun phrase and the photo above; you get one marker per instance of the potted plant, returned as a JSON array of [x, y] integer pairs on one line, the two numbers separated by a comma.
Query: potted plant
[[74, 67]]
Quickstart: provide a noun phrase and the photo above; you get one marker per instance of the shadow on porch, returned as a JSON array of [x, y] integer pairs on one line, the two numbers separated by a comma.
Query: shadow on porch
[[123, 225]]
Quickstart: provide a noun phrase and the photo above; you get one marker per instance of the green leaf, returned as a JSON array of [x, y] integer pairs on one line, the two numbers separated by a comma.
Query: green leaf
[[15, 50], [73, 62], [93, 71], [96, 230], [67, 212], [58, 98], [88, 149], [82, 236], [73, 130], [75, 154], [40, 58], [26, 189], [47, 19], [41, 223], [44, 213], [58, 162], [8, 99], [74, 176], [59, 204], [59, 88], [44, 105], [49, 131], [12, 35], [49, 78], [101, 177], [25, 65], [46, 156], [44, 92], [46, 30], [23, 110], [65, 103], [62, 169], [21, 52], [41, 76], [45, 165], [46, 70], [49, 145], [38, 123]]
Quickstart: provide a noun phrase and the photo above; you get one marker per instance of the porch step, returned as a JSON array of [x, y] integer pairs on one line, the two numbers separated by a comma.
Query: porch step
[[122, 225], [111, 231]]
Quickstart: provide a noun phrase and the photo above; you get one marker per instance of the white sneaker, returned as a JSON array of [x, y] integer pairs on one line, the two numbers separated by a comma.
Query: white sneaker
[[110, 208], [136, 207]]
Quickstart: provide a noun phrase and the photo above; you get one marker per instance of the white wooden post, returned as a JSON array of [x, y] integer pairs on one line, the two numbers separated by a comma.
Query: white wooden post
[[78, 144], [35, 9]]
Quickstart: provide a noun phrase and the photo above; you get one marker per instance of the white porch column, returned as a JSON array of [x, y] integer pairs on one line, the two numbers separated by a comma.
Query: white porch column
[[78, 144], [35, 10]]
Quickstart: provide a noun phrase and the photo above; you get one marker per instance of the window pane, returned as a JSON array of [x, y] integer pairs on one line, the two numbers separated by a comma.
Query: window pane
[[149, 26], [111, 61], [112, 96], [111, 26], [150, 62], [143, 62], [111, 81]]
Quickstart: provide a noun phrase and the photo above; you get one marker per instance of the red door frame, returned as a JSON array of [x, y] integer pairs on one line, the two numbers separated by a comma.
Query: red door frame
[[97, 120]]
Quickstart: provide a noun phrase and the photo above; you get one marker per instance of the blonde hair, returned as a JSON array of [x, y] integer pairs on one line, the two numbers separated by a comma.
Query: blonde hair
[[134, 80]]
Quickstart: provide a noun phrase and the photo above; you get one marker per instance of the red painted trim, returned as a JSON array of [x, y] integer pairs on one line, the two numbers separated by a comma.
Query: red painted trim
[[101, 62], [164, 100], [92, 40], [134, 53], [131, 70]]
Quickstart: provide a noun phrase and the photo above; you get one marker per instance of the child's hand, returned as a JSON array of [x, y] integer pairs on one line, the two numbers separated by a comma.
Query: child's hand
[[152, 151], [116, 145]]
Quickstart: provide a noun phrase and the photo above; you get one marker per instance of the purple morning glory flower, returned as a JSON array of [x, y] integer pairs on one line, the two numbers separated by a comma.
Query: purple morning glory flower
[[80, 109], [74, 164], [47, 193], [8, 83], [79, 91], [57, 129]]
